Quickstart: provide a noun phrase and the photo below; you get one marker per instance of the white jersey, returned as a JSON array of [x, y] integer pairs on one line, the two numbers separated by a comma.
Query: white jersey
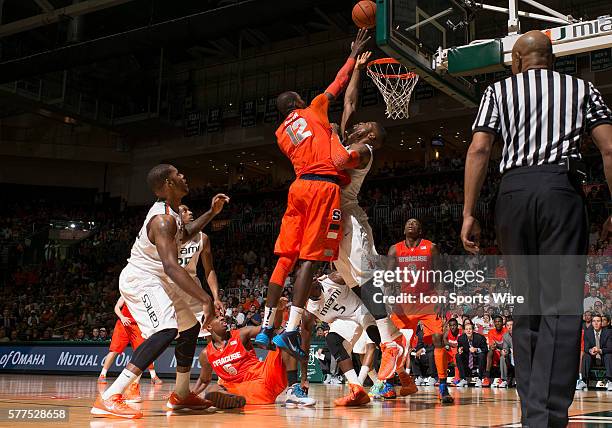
[[144, 255], [348, 194], [189, 254], [336, 302]]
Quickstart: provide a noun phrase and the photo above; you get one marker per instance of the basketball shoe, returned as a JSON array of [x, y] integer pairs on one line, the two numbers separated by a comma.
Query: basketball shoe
[[114, 407], [225, 400], [408, 385], [392, 357], [263, 339], [376, 390], [191, 401], [102, 379], [388, 391], [291, 342], [296, 396], [443, 394], [356, 397], [133, 393]]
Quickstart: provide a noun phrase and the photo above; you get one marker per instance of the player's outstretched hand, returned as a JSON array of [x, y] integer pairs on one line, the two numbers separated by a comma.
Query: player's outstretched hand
[[125, 321], [209, 313], [219, 307], [470, 234], [218, 202], [362, 60], [360, 42], [200, 386]]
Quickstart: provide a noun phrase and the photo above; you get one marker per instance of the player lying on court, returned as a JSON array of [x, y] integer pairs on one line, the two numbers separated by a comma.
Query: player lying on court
[[126, 332], [311, 226], [152, 271], [357, 256], [333, 302], [243, 379], [418, 254]]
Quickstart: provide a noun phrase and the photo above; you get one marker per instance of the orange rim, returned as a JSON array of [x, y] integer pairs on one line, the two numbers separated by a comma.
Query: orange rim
[[381, 61]]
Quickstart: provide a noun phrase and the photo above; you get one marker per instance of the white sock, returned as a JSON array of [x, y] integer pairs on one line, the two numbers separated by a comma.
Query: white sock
[[153, 373], [182, 384], [137, 380], [351, 377], [120, 384], [373, 375], [387, 330], [407, 370], [363, 374], [103, 372], [295, 316], [268, 320]]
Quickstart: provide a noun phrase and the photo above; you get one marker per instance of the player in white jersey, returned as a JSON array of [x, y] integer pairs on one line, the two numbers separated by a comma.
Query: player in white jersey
[[151, 274], [192, 252], [357, 254], [332, 301]]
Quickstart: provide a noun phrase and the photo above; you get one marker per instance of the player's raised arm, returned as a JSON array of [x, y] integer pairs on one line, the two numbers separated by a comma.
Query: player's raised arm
[[342, 78], [206, 259], [163, 231], [200, 223], [351, 96]]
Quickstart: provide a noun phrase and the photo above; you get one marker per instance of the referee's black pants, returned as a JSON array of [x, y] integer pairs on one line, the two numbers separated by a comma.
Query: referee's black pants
[[541, 229]]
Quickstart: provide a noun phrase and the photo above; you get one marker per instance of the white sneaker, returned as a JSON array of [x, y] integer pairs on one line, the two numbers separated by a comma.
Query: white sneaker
[[462, 383], [327, 379], [418, 381], [431, 381], [502, 384], [581, 386], [600, 384], [609, 386], [297, 397], [335, 380], [496, 382], [478, 383]]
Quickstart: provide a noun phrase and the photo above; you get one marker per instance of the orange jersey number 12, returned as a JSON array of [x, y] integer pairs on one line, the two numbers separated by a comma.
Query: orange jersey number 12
[[297, 128]]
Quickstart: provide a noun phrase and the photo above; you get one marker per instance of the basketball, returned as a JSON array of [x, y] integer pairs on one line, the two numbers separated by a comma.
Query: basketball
[[364, 14]]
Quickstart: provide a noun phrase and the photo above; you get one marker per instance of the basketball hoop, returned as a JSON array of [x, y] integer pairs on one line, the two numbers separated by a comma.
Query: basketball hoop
[[396, 83]]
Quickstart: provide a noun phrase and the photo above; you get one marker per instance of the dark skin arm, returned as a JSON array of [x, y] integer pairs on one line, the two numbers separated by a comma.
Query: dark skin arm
[[602, 137], [356, 48], [205, 373], [351, 96], [206, 259], [191, 229], [162, 233], [476, 164]]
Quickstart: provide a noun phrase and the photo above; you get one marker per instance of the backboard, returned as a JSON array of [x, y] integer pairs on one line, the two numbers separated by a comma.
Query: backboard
[[412, 31]]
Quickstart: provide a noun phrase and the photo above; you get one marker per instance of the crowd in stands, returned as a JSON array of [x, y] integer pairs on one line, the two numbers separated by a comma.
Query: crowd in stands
[[70, 295]]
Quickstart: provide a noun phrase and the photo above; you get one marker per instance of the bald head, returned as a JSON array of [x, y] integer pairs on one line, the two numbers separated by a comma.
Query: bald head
[[532, 50]]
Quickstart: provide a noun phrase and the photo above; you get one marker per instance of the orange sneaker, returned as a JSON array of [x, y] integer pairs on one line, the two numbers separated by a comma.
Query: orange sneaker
[[356, 397], [486, 382], [192, 401], [132, 394], [392, 353], [114, 407], [408, 385], [102, 379]]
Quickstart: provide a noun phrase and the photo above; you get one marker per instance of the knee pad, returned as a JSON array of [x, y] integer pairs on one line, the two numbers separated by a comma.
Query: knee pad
[[152, 348], [374, 334], [186, 346], [283, 268], [336, 347]]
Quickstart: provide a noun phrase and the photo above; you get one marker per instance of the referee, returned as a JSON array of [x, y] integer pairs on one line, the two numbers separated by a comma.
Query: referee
[[540, 215]]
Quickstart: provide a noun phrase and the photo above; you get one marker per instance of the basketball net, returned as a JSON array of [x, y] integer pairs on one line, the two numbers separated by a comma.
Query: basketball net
[[396, 83]]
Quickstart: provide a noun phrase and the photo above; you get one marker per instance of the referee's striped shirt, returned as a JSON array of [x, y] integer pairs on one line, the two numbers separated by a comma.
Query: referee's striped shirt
[[541, 116]]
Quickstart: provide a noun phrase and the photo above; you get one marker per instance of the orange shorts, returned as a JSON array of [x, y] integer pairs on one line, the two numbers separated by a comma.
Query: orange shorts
[[122, 336], [431, 324], [311, 226], [269, 384]]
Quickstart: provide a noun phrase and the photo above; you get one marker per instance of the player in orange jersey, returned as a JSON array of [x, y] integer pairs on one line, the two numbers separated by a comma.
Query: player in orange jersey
[[417, 255], [311, 226], [243, 379], [451, 335], [495, 339], [126, 332]]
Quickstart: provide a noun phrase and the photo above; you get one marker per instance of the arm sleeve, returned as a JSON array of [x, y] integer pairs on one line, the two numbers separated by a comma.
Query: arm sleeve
[[487, 119], [342, 78], [597, 112]]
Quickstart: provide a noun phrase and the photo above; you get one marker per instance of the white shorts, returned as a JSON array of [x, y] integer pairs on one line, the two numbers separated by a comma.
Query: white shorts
[[352, 328], [152, 303], [357, 254]]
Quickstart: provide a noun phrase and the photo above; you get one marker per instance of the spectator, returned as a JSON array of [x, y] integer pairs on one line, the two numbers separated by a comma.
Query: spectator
[[591, 299], [8, 321], [471, 353], [3, 336], [103, 334], [506, 363], [594, 356], [80, 336], [95, 334]]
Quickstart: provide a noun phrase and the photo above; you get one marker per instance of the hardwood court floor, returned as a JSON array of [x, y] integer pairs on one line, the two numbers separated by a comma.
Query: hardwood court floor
[[472, 408]]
